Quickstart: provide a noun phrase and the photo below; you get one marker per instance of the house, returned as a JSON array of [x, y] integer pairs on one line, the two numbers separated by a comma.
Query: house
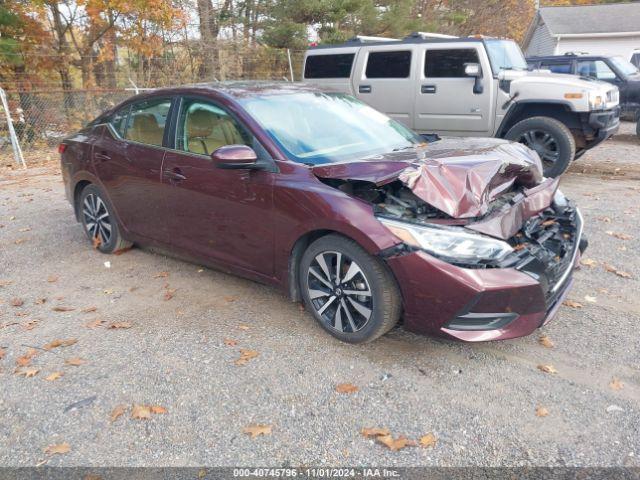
[[604, 29]]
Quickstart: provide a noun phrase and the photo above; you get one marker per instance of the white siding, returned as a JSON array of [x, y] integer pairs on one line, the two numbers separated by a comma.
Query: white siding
[[541, 43], [622, 46]]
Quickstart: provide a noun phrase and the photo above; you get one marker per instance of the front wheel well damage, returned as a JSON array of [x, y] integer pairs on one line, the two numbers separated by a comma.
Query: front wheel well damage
[[76, 195]]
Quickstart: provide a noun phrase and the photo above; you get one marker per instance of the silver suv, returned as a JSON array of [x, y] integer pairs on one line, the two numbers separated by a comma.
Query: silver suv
[[473, 86]]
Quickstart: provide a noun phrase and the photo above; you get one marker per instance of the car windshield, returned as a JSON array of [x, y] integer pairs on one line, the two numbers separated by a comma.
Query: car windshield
[[505, 55], [627, 68], [315, 128]]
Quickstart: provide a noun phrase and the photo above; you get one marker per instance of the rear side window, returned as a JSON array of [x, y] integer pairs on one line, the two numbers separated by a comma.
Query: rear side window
[[635, 59], [388, 64], [147, 120], [595, 69], [448, 63], [119, 120], [556, 67], [328, 66]]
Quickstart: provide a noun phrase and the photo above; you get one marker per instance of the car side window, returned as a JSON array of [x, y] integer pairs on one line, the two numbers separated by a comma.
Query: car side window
[[595, 69], [118, 120], [556, 67], [204, 127], [396, 64], [635, 59], [329, 66], [147, 120], [448, 63]]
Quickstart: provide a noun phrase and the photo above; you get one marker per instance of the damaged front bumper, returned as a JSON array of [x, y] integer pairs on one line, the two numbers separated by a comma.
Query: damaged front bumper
[[506, 300]]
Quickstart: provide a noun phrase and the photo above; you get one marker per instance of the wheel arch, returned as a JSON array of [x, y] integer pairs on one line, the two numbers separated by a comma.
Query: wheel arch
[[522, 110], [77, 190]]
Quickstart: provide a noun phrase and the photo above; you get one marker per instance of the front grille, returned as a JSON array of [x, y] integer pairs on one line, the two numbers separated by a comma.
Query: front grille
[[546, 248]]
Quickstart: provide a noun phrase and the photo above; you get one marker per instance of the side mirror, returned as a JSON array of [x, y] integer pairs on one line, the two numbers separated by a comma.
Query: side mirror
[[474, 70], [234, 157]]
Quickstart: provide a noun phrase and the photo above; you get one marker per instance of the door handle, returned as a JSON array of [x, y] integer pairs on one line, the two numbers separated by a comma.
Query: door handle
[[101, 156], [428, 89], [364, 89], [173, 175]]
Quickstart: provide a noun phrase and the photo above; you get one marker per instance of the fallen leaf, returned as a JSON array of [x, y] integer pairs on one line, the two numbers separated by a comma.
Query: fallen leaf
[[57, 449], [26, 229], [616, 384], [590, 299], [547, 369], [612, 269], [229, 342], [541, 411], [140, 412], [395, 444], [17, 302], [158, 409], [89, 309], [122, 251], [2, 353], [95, 323], [256, 430], [60, 343], [54, 376], [170, 292], [40, 301], [97, 241], [5, 283], [28, 372], [604, 219], [245, 356], [52, 278], [25, 359], [229, 299], [30, 325], [588, 262], [572, 304], [76, 362], [622, 274], [117, 412], [20, 241], [243, 327], [621, 236], [346, 388], [374, 432], [61, 308], [161, 275], [545, 341], [119, 325], [428, 440]]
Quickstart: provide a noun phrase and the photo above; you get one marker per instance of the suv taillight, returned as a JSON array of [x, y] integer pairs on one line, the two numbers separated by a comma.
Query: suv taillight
[[61, 148]]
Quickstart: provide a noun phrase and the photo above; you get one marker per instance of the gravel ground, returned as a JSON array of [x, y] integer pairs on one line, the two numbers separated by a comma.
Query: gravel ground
[[478, 400]]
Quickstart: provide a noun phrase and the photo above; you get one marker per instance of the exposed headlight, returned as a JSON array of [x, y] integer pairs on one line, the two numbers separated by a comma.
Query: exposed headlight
[[596, 100], [451, 244]]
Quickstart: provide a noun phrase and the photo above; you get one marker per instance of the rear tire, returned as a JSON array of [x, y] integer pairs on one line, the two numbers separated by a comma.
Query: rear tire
[[351, 294], [550, 138], [99, 221]]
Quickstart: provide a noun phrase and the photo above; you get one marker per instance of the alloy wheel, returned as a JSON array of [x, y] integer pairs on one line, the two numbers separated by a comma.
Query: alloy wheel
[[96, 218], [544, 144], [339, 292]]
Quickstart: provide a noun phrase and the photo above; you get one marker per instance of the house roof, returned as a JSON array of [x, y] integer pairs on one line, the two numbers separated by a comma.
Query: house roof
[[602, 18]]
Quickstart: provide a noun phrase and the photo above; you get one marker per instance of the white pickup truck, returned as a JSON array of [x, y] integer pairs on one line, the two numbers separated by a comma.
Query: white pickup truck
[[474, 86]]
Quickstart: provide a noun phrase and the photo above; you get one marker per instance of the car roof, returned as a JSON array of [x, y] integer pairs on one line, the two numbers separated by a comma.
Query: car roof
[[568, 57], [409, 40], [234, 89]]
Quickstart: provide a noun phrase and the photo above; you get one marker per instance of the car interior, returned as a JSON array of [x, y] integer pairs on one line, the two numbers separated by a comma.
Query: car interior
[[206, 129]]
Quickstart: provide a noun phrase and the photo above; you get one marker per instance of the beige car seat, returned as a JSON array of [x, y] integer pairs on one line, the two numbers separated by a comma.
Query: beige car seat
[[208, 131], [145, 129]]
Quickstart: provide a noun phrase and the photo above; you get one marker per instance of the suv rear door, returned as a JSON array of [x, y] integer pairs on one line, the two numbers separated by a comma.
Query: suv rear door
[[384, 77], [444, 98]]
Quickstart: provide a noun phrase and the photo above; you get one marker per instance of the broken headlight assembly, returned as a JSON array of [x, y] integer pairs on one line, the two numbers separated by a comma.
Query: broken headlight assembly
[[451, 244]]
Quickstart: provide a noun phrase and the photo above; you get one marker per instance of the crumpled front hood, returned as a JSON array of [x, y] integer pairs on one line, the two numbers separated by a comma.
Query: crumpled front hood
[[461, 177]]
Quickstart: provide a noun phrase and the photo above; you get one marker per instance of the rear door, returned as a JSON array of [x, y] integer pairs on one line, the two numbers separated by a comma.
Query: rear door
[[445, 101], [128, 161], [384, 78]]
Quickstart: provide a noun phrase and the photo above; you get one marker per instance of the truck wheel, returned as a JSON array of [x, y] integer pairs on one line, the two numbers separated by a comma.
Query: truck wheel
[[550, 138]]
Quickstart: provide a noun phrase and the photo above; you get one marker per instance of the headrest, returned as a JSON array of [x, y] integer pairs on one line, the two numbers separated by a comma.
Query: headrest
[[200, 123], [145, 122]]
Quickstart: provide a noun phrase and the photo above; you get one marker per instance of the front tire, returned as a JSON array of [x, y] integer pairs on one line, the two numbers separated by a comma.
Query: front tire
[[99, 221], [351, 294], [550, 138]]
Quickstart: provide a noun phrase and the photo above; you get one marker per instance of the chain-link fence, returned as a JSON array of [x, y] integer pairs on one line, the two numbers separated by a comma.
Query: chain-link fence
[[41, 115]]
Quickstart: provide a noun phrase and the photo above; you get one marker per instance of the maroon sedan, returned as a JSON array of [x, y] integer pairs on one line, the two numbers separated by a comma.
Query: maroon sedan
[[335, 203]]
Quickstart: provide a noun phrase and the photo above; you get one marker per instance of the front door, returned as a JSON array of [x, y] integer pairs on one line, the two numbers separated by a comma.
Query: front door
[[445, 101], [212, 213], [128, 160]]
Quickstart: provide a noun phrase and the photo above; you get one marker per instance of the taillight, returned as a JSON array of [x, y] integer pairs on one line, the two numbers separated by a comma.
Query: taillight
[[61, 148]]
